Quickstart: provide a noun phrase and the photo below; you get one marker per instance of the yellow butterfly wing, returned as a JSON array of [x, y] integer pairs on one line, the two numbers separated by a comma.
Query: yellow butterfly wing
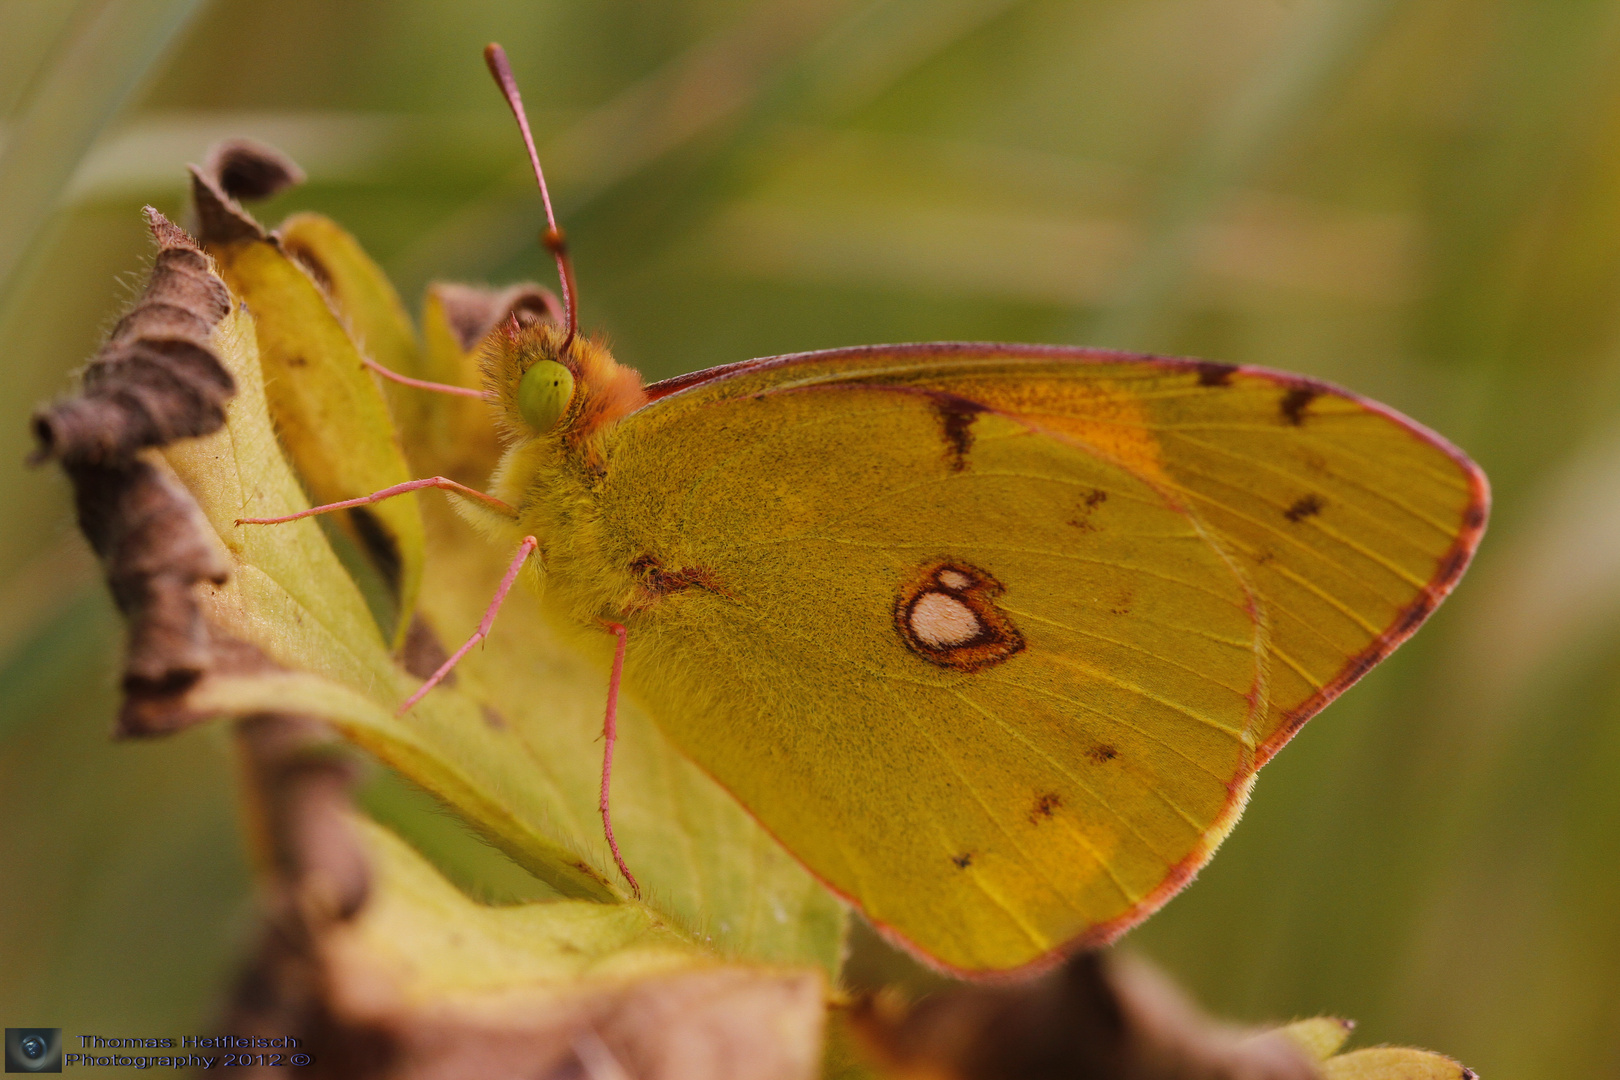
[[993, 638]]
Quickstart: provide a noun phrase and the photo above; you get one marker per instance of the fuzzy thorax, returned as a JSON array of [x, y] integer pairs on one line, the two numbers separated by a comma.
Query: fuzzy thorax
[[551, 477]]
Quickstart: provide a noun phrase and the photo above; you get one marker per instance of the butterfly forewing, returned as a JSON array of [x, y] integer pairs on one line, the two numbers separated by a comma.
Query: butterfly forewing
[[1349, 521]]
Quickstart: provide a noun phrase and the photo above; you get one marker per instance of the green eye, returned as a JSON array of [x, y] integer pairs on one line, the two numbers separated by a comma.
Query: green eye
[[544, 394]]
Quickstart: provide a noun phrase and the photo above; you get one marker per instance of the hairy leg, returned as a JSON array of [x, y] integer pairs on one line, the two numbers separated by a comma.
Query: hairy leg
[[610, 733], [388, 493], [525, 549]]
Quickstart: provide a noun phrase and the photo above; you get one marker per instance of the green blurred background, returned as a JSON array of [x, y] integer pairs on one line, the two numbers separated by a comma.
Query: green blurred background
[[1420, 200]]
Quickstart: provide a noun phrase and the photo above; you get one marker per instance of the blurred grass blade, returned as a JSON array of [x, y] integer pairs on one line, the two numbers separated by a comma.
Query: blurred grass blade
[[880, 44], [800, 58], [698, 89], [83, 88], [1327, 37]]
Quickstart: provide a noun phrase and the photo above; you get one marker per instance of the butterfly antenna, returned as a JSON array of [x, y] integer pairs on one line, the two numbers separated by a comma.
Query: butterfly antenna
[[553, 238]]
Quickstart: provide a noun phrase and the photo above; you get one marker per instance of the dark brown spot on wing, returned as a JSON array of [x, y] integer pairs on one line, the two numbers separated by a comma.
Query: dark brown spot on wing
[[660, 582], [993, 639], [1102, 753], [1045, 806], [1212, 374], [1294, 403], [1305, 506], [963, 861], [956, 415], [1082, 519], [1474, 518]]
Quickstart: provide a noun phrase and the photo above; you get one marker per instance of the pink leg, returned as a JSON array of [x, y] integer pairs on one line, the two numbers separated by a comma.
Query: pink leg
[[610, 733], [421, 384], [388, 493], [524, 550]]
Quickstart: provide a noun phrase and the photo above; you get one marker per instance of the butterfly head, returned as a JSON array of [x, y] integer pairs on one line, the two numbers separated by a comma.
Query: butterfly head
[[547, 387]]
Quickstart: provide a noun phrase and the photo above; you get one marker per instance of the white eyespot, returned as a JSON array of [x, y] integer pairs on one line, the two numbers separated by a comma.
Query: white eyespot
[[954, 579], [942, 621]]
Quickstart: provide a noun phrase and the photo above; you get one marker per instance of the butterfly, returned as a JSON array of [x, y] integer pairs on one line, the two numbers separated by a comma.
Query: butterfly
[[993, 638]]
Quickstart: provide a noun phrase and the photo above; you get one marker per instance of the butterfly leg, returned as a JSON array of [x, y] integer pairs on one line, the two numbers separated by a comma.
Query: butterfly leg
[[610, 733], [388, 493], [525, 549], [421, 384]]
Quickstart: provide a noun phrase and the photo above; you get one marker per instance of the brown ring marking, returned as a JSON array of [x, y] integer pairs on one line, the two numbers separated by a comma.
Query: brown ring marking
[[997, 637]]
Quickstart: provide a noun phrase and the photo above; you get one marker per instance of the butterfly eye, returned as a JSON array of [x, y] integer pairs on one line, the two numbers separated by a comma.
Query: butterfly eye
[[544, 394]]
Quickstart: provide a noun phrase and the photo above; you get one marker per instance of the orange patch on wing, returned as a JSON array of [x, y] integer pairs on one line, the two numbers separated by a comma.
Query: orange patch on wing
[[1096, 414]]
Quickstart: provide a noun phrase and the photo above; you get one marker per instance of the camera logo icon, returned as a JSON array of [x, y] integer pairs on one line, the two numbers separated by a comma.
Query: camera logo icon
[[33, 1050]]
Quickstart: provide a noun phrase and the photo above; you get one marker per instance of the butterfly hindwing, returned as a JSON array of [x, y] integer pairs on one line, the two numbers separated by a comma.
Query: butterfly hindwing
[[994, 641]]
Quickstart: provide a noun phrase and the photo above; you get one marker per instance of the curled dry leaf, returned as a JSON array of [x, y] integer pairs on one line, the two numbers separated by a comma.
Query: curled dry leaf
[[247, 169], [471, 313], [1110, 1018], [157, 379], [1092, 1017], [237, 170], [145, 529]]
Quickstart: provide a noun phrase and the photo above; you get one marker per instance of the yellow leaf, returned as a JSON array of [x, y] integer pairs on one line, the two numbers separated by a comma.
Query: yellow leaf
[[1393, 1063], [356, 288], [331, 417], [538, 987], [1320, 1037]]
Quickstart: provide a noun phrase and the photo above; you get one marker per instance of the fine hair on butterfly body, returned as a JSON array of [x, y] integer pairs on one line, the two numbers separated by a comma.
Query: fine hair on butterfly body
[[992, 638]]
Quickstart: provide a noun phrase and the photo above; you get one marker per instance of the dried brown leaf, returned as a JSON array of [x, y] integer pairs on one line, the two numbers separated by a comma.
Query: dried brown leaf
[[158, 378], [246, 169], [1094, 1017], [218, 218], [473, 312], [154, 547]]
